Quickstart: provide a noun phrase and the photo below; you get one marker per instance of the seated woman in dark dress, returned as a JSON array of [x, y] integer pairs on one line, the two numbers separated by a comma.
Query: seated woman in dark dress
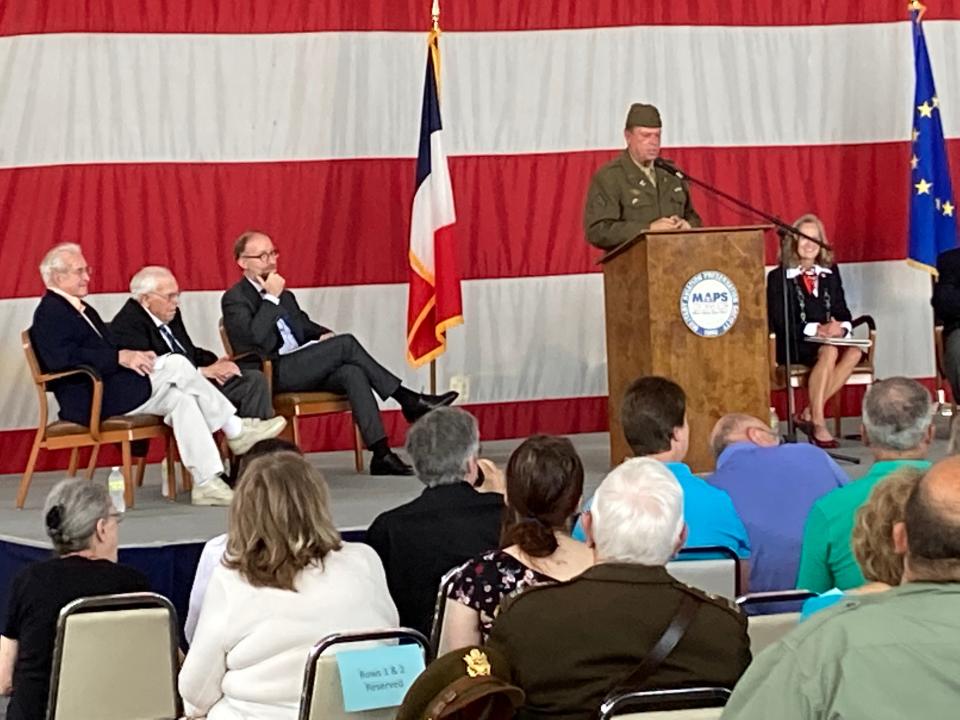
[[817, 308], [82, 524], [544, 486]]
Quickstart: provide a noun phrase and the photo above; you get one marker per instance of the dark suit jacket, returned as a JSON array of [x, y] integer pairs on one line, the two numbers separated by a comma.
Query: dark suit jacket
[[251, 321], [419, 541], [133, 328], [568, 644], [63, 340], [815, 309], [946, 291]]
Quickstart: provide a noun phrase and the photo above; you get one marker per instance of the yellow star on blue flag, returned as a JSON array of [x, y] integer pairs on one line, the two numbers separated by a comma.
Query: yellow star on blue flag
[[933, 226]]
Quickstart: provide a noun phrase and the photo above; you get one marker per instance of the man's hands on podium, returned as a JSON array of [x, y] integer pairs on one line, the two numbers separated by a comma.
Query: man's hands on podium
[[139, 361], [674, 222]]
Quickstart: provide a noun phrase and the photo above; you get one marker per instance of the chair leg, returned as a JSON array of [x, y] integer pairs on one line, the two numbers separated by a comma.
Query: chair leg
[[185, 476], [170, 463], [294, 423], [127, 474], [357, 449], [141, 470], [837, 415], [92, 465], [74, 461], [28, 472]]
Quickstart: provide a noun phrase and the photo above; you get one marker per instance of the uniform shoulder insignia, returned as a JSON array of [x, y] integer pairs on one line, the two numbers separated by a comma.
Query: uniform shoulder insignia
[[719, 600]]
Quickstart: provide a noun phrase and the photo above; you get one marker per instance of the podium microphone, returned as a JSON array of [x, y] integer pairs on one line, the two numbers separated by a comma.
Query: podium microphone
[[669, 167]]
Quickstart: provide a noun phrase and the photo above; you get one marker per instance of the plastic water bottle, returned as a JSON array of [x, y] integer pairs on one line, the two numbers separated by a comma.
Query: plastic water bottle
[[115, 485]]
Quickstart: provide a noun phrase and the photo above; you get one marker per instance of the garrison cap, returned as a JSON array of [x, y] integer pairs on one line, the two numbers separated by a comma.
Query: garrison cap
[[643, 115], [472, 682]]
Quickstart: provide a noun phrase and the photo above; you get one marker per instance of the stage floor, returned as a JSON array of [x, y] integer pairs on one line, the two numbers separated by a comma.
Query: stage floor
[[356, 499]]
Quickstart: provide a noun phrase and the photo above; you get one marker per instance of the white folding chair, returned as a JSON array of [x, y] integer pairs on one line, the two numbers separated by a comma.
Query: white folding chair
[[322, 695], [764, 630], [115, 658], [715, 570], [440, 608], [700, 703]]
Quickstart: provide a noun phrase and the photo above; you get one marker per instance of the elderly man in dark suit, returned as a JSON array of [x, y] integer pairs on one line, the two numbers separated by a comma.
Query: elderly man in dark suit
[[151, 320], [260, 315], [67, 332]]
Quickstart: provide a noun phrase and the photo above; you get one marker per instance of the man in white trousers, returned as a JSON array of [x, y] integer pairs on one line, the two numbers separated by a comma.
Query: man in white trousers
[[67, 333]]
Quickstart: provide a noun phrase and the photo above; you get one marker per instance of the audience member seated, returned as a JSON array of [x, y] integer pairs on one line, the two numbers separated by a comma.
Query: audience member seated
[[773, 487], [68, 333], [286, 581], [449, 523], [570, 644], [212, 554], [654, 420], [872, 538], [890, 654], [544, 489], [898, 429], [83, 527], [817, 308]]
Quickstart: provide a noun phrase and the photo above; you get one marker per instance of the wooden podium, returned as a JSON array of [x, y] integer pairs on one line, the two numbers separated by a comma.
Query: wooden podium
[[646, 335]]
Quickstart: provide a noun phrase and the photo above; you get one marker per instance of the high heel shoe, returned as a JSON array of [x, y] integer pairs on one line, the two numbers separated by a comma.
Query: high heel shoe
[[830, 444], [804, 426]]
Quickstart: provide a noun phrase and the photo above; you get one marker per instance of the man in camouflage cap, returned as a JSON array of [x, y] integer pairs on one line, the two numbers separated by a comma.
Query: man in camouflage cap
[[629, 195]]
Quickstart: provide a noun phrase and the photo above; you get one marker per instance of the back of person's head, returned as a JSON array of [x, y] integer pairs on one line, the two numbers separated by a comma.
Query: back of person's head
[[279, 521], [267, 446], [897, 413], [653, 409], [872, 538], [637, 514], [442, 444], [544, 486], [72, 511], [738, 427], [932, 526]]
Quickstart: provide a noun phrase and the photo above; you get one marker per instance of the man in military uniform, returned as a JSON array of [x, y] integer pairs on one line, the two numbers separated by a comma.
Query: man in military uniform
[[570, 644], [629, 194], [889, 654]]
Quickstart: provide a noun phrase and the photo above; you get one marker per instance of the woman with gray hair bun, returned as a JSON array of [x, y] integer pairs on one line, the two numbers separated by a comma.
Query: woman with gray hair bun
[[83, 526]]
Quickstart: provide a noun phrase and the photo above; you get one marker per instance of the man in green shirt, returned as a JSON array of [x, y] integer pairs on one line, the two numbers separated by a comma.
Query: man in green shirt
[[898, 428], [629, 194], [888, 655]]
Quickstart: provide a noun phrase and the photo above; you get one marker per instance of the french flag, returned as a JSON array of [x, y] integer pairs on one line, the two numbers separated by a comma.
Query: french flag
[[434, 303]]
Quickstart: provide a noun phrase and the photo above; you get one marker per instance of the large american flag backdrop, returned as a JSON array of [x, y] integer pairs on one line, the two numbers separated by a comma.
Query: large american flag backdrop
[[155, 132]]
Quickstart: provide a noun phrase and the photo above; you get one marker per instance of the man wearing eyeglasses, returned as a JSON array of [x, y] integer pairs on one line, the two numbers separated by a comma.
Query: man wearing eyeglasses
[[68, 333], [151, 320], [261, 316]]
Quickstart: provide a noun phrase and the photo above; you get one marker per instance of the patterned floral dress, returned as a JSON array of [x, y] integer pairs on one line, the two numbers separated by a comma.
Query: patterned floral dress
[[488, 579]]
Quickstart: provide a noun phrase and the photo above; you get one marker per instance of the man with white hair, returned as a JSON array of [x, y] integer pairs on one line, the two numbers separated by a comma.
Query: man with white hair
[[570, 644], [898, 427], [68, 333], [151, 320]]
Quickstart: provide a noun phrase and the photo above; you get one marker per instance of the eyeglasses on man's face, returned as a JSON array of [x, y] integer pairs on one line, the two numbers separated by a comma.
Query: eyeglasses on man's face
[[169, 297], [265, 256]]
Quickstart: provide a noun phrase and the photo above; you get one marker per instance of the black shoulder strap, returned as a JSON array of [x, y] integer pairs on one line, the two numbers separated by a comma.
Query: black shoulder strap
[[662, 648]]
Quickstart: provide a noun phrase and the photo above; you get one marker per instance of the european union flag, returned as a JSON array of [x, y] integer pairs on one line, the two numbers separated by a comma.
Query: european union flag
[[933, 222]]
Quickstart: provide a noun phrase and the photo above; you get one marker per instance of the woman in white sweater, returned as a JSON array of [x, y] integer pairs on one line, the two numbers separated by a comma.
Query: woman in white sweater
[[286, 581]]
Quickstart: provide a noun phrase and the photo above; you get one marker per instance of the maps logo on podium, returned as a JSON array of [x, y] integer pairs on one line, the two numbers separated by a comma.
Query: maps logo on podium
[[709, 303]]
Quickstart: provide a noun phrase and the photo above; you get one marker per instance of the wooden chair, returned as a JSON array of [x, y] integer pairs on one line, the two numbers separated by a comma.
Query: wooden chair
[[294, 405], [863, 374], [61, 435]]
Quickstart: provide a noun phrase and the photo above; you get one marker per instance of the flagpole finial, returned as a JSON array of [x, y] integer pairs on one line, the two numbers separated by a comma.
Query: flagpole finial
[[919, 7], [435, 14]]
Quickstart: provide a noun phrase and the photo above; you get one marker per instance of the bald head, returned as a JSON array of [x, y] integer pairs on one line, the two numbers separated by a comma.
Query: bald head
[[930, 533], [738, 427]]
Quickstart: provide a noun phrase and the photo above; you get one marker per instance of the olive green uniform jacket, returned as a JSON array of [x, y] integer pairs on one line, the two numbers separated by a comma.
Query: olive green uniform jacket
[[568, 644], [622, 202], [891, 655]]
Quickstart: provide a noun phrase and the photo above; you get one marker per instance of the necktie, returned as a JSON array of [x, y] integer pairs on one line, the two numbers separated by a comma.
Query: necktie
[[171, 340], [810, 281]]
